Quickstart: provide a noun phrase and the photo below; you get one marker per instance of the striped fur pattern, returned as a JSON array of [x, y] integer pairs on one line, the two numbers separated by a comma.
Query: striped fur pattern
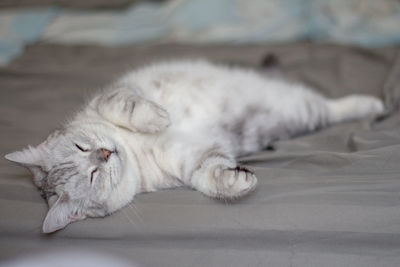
[[173, 124]]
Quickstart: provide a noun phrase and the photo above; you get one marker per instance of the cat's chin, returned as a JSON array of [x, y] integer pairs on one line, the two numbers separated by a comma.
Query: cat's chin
[[116, 204], [124, 192]]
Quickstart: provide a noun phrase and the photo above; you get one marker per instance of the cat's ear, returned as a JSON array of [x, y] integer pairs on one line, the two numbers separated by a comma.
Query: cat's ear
[[31, 158], [28, 156], [60, 214]]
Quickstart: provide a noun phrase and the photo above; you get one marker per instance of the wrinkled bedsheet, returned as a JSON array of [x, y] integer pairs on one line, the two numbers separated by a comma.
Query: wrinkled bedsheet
[[331, 198]]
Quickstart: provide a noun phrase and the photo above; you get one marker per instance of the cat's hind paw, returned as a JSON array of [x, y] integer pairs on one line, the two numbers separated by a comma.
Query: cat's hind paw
[[368, 105], [355, 107]]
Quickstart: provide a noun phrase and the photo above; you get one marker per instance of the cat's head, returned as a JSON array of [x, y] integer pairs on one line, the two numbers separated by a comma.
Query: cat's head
[[80, 172]]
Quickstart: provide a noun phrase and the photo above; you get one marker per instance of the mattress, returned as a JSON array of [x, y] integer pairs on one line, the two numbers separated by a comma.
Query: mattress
[[330, 198]]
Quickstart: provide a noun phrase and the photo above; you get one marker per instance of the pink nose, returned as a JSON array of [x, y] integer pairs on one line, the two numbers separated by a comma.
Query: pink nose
[[106, 153]]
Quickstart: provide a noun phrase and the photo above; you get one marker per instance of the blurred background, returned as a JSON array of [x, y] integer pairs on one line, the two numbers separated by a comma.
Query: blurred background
[[367, 23], [53, 53]]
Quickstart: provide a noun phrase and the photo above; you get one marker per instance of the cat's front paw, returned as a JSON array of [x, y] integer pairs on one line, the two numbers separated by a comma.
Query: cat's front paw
[[235, 182]]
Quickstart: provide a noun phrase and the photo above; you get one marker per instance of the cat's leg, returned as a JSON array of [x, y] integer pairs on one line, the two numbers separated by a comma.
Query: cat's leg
[[123, 107], [353, 107], [310, 111], [217, 175]]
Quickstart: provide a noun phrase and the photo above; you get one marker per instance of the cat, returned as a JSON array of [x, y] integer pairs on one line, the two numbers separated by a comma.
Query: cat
[[172, 124]]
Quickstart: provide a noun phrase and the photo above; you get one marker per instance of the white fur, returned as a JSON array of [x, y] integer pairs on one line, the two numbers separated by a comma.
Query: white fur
[[172, 124]]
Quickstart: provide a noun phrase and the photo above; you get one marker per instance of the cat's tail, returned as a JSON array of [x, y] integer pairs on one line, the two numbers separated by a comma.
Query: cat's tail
[[354, 107]]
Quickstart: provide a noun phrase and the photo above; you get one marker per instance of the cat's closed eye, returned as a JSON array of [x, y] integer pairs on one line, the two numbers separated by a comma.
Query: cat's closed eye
[[92, 175], [81, 148]]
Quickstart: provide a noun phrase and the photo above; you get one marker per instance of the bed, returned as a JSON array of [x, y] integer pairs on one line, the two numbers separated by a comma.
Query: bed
[[331, 198]]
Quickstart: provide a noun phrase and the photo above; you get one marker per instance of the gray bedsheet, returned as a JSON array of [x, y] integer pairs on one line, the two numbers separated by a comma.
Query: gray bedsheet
[[327, 199]]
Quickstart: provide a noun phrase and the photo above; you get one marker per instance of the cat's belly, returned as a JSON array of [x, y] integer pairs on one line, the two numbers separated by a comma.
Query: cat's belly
[[241, 133], [243, 112]]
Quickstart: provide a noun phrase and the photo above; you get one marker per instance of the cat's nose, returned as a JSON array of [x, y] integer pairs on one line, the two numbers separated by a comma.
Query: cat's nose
[[106, 153]]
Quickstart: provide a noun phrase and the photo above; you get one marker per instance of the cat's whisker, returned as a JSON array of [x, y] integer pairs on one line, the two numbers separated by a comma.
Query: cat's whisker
[[111, 181], [136, 211], [129, 219]]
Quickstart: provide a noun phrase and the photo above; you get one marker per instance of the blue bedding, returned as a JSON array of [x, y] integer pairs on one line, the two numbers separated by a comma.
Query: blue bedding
[[367, 23]]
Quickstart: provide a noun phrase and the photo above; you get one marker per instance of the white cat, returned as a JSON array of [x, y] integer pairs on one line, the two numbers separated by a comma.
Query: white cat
[[173, 124]]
